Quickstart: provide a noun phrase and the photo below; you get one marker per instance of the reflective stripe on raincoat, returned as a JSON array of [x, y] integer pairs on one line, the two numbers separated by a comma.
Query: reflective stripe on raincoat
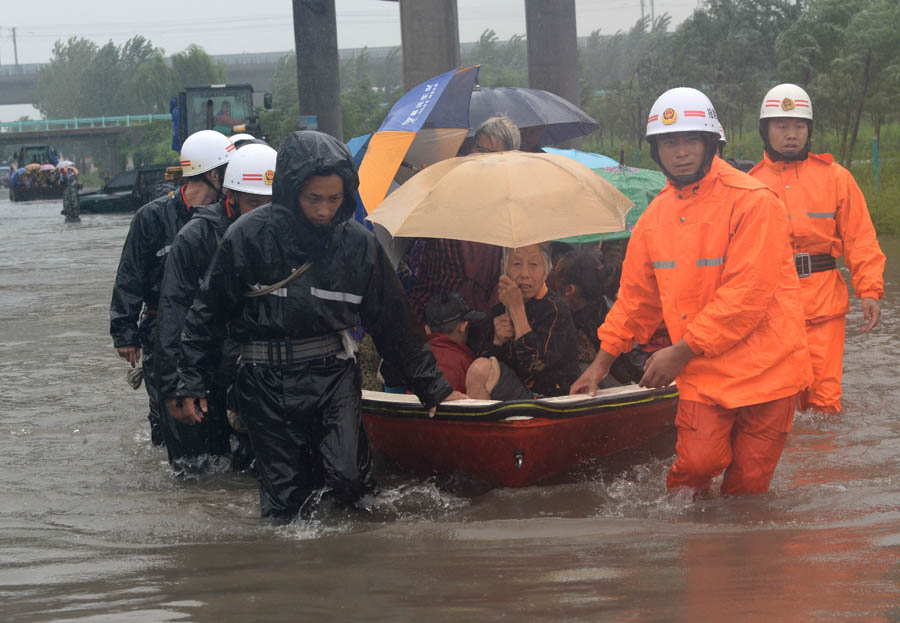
[[714, 262], [828, 216]]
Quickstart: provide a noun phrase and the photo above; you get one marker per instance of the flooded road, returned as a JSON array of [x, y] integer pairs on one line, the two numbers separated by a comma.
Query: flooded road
[[93, 527]]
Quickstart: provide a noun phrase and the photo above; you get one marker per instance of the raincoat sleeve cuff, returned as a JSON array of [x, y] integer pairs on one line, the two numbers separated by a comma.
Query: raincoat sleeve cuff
[[689, 339], [872, 294], [610, 349]]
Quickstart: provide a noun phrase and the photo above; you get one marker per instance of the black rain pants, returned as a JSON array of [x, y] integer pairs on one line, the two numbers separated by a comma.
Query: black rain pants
[[306, 430]]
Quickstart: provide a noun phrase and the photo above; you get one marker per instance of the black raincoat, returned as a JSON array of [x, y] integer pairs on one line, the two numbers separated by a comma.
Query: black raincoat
[[304, 418], [188, 259], [135, 297]]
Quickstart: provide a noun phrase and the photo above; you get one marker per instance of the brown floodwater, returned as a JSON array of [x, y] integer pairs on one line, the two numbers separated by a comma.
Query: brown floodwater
[[94, 527]]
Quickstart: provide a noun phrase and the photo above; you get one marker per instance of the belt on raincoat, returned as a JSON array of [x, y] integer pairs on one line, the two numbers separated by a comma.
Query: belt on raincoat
[[808, 264], [289, 352]]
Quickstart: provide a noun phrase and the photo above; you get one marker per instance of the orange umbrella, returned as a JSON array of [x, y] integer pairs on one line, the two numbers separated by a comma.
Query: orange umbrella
[[32, 166], [510, 199]]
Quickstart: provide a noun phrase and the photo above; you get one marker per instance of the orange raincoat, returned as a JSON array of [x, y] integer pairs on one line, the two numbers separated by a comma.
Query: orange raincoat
[[714, 262], [828, 215]]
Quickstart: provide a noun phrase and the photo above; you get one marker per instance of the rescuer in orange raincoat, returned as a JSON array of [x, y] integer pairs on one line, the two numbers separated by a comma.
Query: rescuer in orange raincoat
[[829, 218], [711, 257]]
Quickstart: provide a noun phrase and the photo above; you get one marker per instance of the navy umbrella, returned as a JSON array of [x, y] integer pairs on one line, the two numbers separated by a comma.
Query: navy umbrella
[[543, 118]]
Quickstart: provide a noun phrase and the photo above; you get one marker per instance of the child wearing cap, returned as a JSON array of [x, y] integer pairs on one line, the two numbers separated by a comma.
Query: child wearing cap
[[448, 316]]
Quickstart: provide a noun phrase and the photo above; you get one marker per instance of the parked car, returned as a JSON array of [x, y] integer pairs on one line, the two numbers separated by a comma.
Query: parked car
[[127, 191], [5, 172]]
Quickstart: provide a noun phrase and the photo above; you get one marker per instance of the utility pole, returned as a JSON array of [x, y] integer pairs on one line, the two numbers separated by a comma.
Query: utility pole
[[15, 48], [318, 69], [642, 9], [652, 15]]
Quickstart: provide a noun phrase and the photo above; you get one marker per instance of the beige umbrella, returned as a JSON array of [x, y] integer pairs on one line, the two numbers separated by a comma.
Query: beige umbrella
[[510, 199]]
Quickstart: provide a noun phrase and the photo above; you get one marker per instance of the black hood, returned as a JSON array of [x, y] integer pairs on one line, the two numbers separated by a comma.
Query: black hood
[[307, 153]]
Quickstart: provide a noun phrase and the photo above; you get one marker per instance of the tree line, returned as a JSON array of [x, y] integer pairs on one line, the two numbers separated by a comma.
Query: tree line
[[845, 52]]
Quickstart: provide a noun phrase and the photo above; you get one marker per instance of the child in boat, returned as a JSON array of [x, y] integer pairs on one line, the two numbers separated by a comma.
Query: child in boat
[[531, 349], [448, 317]]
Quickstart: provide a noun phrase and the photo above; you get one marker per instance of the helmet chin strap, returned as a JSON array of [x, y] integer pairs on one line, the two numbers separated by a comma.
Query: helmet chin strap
[[680, 181], [776, 156], [205, 179]]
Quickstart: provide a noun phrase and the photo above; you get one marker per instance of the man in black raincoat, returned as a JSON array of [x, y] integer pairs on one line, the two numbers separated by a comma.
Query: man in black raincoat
[[247, 185], [290, 279], [135, 298]]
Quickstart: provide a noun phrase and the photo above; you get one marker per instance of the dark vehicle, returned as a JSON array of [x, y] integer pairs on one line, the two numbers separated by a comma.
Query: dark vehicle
[[5, 172], [226, 108], [126, 192], [41, 154]]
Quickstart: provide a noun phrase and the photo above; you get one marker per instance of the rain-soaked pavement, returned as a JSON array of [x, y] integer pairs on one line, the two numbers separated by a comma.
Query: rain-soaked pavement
[[93, 527]]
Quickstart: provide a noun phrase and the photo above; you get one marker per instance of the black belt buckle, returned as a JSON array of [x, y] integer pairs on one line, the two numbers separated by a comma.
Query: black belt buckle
[[803, 263]]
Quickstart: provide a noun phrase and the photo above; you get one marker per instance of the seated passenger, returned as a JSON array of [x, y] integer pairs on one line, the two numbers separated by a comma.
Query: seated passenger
[[588, 285], [531, 350], [448, 317]]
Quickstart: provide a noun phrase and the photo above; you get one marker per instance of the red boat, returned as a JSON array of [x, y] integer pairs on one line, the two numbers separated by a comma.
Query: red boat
[[515, 443]]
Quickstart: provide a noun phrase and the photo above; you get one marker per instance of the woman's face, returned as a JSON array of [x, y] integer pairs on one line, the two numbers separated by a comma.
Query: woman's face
[[485, 144], [526, 267], [320, 198]]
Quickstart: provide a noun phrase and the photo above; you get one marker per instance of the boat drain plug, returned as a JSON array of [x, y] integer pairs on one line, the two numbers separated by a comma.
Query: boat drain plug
[[519, 457]]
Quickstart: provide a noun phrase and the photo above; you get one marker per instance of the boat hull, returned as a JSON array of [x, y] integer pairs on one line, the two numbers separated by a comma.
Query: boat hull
[[515, 444]]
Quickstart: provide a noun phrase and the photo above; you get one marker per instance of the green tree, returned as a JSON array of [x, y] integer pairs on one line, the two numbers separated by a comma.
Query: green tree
[[194, 66], [60, 82]]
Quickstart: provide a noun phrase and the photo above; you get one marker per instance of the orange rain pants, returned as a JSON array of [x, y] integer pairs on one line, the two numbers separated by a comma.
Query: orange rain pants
[[745, 442], [826, 350], [828, 216]]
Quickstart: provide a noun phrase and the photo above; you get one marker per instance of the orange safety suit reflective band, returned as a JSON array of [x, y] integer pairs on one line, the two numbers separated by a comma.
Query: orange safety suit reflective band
[[828, 215], [714, 261], [746, 442]]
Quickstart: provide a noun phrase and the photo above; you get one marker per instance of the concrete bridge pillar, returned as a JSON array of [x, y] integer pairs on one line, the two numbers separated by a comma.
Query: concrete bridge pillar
[[112, 156], [553, 47], [318, 70], [430, 35]]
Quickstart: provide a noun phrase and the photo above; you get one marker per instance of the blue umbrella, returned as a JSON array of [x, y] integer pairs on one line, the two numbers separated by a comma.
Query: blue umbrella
[[358, 146], [590, 160]]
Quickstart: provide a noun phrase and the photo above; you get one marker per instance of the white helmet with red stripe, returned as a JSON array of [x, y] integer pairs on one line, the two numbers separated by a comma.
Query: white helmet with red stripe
[[786, 100], [204, 151], [251, 170], [682, 109]]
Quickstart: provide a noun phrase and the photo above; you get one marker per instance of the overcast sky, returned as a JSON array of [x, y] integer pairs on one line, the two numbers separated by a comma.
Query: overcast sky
[[228, 26]]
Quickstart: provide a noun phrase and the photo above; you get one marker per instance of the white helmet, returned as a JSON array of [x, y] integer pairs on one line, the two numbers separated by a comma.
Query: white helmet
[[243, 136], [251, 170], [204, 151], [682, 109], [722, 138], [786, 100]]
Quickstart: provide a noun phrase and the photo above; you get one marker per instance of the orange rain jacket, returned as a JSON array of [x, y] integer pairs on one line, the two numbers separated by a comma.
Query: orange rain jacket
[[828, 216], [714, 262]]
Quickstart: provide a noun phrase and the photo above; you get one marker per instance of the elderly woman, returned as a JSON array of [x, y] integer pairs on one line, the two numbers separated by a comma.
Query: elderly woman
[[532, 349], [496, 134]]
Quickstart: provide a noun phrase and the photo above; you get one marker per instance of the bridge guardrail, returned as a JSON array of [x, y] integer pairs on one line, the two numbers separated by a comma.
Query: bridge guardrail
[[81, 122]]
